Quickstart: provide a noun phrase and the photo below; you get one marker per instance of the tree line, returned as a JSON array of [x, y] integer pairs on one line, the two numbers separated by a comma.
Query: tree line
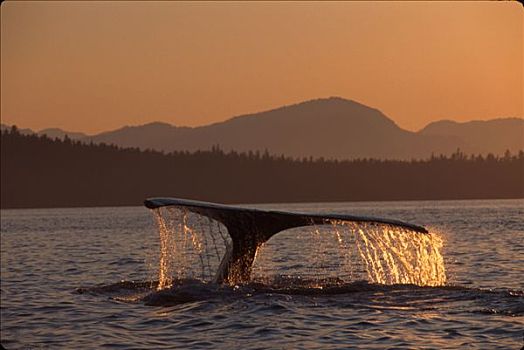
[[37, 171]]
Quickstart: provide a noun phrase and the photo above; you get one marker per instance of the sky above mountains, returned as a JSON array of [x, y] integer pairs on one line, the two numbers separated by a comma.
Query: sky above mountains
[[90, 67]]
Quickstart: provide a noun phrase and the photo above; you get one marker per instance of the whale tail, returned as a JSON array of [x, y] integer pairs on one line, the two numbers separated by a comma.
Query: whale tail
[[250, 228]]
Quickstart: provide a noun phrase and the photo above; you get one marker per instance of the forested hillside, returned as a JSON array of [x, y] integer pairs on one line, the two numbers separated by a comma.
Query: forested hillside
[[37, 171]]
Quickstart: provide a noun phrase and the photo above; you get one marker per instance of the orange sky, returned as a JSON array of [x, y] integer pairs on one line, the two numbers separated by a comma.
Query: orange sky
[[93, 66]]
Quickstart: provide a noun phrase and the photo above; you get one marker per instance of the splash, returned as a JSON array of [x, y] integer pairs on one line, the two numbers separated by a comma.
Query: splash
[[192, 247], [393, 255]]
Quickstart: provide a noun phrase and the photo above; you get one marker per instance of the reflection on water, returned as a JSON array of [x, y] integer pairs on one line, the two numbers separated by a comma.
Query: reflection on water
[[62, 273]]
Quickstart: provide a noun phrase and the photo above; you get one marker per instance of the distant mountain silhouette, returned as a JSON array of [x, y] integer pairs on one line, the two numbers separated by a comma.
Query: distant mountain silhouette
[[51, 132], [495, 136], [59, 133], [330, 128]]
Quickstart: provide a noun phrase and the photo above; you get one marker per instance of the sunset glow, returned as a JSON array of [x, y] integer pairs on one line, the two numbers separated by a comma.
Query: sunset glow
[[90, 67]]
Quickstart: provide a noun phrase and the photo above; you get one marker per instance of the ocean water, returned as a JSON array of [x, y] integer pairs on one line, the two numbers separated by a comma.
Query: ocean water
[[86, 278]]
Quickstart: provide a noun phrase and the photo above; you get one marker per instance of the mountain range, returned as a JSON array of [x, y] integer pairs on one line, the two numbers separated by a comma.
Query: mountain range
[[330, 128]]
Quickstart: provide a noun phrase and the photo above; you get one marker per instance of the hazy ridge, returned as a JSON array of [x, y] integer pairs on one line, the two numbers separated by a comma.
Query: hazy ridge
[[332, 128]]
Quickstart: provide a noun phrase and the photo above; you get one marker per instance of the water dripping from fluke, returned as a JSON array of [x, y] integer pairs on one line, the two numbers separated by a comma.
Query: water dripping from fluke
[[225, 245]]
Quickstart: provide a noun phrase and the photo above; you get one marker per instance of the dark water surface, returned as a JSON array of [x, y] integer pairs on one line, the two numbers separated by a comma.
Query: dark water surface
[[76, 278]]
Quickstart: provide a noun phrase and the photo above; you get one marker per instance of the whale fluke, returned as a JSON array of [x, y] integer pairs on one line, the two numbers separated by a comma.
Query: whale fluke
[[249, 228]]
